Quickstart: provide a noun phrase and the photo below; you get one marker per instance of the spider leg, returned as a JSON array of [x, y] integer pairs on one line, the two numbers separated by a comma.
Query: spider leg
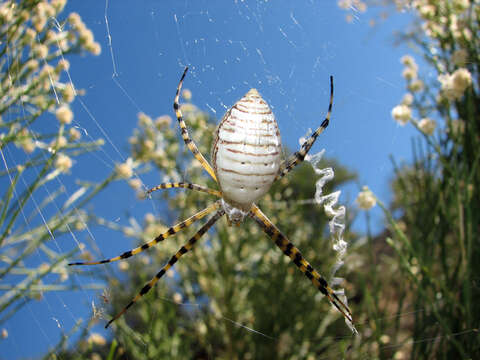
[[299, 155], [293, 253], [184, 249], [185, 186], [171, 231], [186, 137]]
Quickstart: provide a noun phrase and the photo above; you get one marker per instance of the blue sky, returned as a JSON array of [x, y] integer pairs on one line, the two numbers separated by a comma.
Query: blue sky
[[285, 49]]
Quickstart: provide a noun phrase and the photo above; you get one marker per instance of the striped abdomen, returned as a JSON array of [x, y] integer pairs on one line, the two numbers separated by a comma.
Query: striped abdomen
[[246, 152]]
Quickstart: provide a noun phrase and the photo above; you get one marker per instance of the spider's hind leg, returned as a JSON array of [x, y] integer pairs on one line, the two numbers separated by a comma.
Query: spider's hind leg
[[184, 249], [170, 232], [295, 255]]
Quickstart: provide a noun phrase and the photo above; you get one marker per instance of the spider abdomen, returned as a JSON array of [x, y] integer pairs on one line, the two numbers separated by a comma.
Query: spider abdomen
[[246, 152]]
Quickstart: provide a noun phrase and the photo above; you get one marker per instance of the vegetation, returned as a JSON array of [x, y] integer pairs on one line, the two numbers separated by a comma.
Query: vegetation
[[32, 88], [434, 236]]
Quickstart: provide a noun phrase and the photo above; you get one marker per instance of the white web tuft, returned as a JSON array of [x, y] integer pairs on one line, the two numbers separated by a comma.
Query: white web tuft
[[334, 212], [336, 224]]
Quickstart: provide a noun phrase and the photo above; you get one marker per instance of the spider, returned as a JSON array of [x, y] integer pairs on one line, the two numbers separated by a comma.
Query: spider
[[246, 159]]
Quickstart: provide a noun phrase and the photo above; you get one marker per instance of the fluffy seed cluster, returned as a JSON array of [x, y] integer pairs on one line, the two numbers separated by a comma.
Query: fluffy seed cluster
[[454, 85], [365, 199], [427, 126], [64, 114], [124, 170], [63, 163], [402, 114]]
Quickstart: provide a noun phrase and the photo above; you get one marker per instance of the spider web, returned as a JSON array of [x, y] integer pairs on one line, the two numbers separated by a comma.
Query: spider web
[[284, 50]]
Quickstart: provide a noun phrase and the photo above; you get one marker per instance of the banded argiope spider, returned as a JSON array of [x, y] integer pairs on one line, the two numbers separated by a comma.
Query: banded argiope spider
[[246, 158]]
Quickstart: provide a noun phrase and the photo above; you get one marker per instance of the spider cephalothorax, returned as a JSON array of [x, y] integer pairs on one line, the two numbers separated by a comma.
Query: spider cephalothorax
[[246, 158]]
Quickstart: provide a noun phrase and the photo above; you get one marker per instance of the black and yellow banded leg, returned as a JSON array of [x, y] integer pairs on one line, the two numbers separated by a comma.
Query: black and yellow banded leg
[[184, 185], [293, 253], [171, 231], [184, 249], [299, 156], [186, 137]]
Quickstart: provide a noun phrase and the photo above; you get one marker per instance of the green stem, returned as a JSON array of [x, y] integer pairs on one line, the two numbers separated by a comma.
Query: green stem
[[26, 196], [113, 347], [401, 235], [25, 286], [9, 194], [51, 230]]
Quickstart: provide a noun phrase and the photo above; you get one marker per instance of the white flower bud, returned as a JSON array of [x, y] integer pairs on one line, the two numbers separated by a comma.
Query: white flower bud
[[461, 79], [124, 170], [407, 99], [40, 51], [63, 163], [409, 73], [416, 85], [366, 199], [427, 126], [96, 339], [64, 114], [401, 114], [74, 134]]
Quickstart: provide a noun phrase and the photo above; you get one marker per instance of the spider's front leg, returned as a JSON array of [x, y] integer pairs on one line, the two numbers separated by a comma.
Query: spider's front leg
[[184, 185], [186, 137], [293, 253], [299, 156]]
